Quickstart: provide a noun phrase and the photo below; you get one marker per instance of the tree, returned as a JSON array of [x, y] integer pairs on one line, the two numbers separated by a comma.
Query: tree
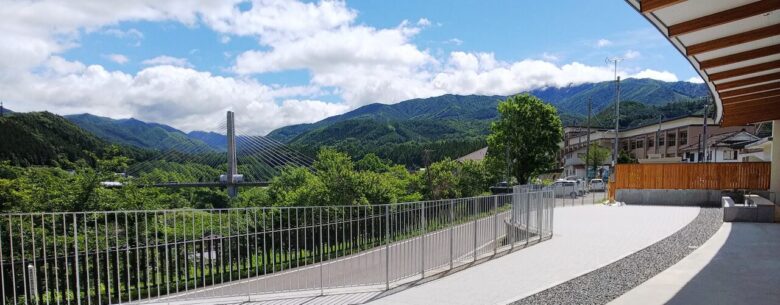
[[526, 135], [626, 157], [596, 156]]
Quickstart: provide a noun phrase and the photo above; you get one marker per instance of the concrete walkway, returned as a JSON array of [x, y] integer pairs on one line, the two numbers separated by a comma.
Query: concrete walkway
[[586, 238], [740, 264]]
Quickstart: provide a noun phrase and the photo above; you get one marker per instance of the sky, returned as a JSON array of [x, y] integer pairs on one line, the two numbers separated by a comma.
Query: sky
[[282, 62]]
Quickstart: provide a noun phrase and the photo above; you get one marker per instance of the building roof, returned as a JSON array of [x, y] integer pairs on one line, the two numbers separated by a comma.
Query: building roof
[[734, 45], [734, 140], [478, 155]]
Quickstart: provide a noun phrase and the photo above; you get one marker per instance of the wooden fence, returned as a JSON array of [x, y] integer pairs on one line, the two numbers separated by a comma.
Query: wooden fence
[[709, 176]]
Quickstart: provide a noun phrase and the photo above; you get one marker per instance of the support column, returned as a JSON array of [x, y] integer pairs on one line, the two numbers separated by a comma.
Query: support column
[[232, 189], [775, 178]]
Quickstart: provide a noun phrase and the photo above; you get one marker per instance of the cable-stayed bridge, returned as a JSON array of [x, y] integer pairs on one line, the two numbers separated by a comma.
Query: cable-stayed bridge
[[247, 160]]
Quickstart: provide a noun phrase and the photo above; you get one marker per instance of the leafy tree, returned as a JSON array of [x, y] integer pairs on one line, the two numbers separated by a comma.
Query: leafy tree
[[371, 162], [528, 131], [337, 173], [474, 178], [626, 157], [596, 156], [444, 179]]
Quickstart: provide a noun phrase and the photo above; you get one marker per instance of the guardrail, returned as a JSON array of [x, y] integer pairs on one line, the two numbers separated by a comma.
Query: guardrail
[[139, 256]]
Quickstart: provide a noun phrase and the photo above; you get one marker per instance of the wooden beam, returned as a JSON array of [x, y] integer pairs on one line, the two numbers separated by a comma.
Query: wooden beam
[[745, 106], [750, 97], [723, 17], [724, 42], [648, 6], [742, 120], [738, 57], [744, 70], [751, 111], [748, 81], [749, 90]]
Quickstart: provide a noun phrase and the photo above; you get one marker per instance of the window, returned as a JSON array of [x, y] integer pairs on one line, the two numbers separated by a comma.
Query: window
[[683, 137], [640, 143], [671, 140], [633, 145], [660, 141], [729, 154], [650, 142], [581, 155]]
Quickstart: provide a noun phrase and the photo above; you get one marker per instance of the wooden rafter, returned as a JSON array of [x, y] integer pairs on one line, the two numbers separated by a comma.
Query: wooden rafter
[[748, 81], [724, 42], [749, 90], [750, 97], [723, 17], [738, 57], [775, 64], [648, 6]]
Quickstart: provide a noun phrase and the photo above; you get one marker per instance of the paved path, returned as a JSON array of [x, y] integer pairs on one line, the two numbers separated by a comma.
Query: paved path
[[740, 264], [586, 238], [368, 266]]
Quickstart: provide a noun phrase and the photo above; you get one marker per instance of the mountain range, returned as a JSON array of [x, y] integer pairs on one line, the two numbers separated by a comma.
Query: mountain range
[[448, 125]]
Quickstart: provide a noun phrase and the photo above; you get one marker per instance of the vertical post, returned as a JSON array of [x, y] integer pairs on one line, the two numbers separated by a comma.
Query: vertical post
[[476, 209], [76, 248], [587, 148], [704, 134], [774, 176], [495, 224], [422, 239], [322, 284], [527, 218], [231, 155], [452, 237], [387, 247]]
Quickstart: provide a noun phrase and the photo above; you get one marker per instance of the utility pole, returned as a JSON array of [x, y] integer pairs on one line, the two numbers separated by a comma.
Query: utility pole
[[587, 149], [615, 61], [658, 133], [2, 110], [232, 172], [704, 131]]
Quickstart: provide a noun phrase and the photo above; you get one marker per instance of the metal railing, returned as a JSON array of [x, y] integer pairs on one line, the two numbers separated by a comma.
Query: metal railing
[[131, 256]]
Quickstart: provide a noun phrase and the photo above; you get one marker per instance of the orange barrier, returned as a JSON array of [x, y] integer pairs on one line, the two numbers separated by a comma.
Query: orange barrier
[[701, 176]]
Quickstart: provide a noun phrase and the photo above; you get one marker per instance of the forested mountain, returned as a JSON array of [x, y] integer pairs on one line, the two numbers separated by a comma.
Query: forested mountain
[[43, 138], [571, 102], [217, 141], [138, 133], [633, 114]]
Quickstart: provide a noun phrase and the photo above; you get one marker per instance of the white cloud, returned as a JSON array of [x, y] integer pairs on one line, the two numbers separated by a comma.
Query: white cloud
[[659, 75], [695, 80], [631, 54], [454, 41], [117, 58], [167, 60], [603, 43], [359, 63]]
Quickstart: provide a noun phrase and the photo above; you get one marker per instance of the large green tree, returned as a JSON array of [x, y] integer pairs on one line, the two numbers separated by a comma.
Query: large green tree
[[596, 156], [526, 135]]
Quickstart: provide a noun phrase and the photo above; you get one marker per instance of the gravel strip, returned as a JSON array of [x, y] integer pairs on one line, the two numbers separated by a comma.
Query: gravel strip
[[609, 282]]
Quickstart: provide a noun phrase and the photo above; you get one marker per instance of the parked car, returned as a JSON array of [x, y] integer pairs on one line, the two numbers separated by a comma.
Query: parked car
[[597, 185], [565, 188]]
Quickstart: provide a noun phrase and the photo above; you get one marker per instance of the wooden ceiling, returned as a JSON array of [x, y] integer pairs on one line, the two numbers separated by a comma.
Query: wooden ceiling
[[735, 47]]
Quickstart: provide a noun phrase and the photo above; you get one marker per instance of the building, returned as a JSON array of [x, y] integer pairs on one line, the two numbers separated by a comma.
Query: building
[[723, 147], [666, 142]]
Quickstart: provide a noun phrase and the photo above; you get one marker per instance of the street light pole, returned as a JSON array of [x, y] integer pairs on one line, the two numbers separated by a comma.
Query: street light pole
[[587, 149]]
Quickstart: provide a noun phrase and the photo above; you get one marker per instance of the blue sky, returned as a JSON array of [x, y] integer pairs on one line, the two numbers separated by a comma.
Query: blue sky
[[288, 62]]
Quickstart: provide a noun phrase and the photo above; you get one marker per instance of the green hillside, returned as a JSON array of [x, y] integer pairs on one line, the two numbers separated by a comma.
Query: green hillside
[[138, 133], [43, 138]]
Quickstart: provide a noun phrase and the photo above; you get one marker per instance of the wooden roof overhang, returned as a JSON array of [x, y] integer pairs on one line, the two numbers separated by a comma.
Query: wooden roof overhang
[[735, 47]]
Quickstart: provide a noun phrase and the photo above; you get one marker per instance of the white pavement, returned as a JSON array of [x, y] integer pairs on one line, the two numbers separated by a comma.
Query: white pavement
[[740, 264], [586, 238]]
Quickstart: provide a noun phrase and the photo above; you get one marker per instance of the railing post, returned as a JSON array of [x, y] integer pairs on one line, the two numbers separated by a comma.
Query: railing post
[[528, 218], [495, 225], [322, 262], [422, 238], [31, 272], [76, 248], [452, 225], [387, 247], [476, 201]]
